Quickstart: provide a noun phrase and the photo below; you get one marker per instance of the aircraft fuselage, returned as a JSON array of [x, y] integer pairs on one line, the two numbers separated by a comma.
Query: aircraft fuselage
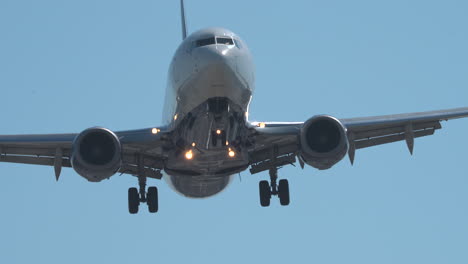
[[210, 86]]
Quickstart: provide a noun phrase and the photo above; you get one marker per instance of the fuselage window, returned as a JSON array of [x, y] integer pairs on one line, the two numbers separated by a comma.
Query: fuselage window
[[225, 41], [205, 42]]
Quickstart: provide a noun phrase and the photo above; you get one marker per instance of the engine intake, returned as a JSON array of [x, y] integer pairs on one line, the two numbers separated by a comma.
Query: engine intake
[[323, 142], [96, 154]]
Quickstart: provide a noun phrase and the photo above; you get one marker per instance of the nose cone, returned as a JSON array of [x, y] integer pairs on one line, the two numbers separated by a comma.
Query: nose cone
[[214, 74], [215, 57], [216, 69]]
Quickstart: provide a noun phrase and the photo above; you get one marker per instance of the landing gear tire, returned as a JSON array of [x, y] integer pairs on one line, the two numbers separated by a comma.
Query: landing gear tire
[[265, 193], [283, 192], [152, 199], [133, 200]]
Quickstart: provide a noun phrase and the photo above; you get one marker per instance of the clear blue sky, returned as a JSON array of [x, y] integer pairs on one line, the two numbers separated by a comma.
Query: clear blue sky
[[69, 65]]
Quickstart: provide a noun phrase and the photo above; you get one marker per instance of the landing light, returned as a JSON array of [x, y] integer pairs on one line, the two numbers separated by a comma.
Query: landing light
[[193, 144], [231, 153], [155, 130], [175, 117], [218, 132], [189, 155], [261, 125]]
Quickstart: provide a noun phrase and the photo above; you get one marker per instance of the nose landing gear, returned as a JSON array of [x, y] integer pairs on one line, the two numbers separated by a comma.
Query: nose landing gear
[[217, 135], [267, 190]]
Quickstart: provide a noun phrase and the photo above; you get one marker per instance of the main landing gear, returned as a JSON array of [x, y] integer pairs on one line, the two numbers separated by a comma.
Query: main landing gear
[[267, 189], [135, 197]]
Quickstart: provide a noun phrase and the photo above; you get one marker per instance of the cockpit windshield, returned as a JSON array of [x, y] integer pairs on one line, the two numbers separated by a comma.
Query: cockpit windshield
[[225, 41], [213, 40], [205, 42]]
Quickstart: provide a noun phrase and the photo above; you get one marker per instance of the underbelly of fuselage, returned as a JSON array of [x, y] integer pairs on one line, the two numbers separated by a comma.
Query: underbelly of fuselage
[[208, 148], [198, 186]]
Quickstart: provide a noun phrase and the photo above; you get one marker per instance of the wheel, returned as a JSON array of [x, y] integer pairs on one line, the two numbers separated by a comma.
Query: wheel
[[283, 192], [152, 199], [265, 193], [133, 200]]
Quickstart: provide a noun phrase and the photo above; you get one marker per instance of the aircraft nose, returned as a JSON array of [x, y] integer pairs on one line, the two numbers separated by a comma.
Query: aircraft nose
[[216, 70], [214, 56]]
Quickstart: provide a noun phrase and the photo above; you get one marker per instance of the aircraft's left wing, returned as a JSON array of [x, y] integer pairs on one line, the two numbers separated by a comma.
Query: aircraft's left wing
[[372, 131], [277, 144], [143, 145]]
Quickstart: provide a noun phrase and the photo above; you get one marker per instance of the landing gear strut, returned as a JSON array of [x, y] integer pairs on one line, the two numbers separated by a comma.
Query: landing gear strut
[[218, 135], [267, 189], [137, 196]]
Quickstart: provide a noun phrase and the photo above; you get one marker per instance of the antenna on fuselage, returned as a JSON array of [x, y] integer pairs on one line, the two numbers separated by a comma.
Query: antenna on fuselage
[[184, 25]]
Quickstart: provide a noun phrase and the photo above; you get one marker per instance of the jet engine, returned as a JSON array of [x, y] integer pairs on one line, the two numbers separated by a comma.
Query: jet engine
[[323, 142], [96, 154]]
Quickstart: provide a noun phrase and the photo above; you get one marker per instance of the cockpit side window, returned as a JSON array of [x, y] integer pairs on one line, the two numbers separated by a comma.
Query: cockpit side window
[[225, 41], [238, 44], [205, 42]]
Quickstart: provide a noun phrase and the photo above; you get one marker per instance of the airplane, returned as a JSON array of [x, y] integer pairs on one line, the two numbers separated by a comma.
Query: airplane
[[207, 137]]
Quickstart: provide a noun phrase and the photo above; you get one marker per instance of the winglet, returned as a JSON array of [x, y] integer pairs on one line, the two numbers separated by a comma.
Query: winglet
[[184, 25]]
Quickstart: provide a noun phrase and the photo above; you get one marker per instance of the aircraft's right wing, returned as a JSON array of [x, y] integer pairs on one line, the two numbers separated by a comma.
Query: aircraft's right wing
[[142, 150], [278, 143]]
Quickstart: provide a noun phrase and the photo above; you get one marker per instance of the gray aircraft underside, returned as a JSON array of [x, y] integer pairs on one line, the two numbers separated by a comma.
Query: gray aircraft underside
[[207, 137]]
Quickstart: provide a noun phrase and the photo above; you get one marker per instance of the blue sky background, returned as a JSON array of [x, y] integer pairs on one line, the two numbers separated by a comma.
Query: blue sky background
[[69, 65]]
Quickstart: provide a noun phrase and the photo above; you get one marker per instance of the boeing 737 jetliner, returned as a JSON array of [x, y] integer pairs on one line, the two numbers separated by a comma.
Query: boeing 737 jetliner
[[207, 137]]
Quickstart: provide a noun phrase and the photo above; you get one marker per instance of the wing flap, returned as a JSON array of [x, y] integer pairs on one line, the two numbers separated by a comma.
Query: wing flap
[[34, 160], [366, 134], [375, 141], [31, 150]]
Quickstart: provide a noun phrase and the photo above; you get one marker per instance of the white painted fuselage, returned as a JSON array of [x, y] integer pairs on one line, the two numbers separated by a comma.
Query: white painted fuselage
[[204, 76]]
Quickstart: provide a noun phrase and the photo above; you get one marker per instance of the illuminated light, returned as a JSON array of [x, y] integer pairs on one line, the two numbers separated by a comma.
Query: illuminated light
[[227, 143], [231, 153], [155, 130], [218, 132], [189, 155], [261, 125], [175, 116], [193, 144]]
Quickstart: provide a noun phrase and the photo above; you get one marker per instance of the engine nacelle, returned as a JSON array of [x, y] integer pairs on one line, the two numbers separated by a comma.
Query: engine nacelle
[[96, 154], [323, 142]]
